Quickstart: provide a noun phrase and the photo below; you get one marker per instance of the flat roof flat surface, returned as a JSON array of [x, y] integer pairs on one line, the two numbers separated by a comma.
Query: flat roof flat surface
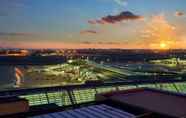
[[159, 102], [94, 111]]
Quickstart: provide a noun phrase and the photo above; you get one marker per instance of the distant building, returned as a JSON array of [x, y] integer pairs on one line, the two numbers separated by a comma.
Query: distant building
[[7, 78]]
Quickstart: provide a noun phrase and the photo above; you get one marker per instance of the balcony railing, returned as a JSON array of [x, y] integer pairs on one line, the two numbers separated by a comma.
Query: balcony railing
[[75, 94]]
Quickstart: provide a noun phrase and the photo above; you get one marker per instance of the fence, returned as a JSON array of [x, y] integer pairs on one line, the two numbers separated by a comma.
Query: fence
[[75, 94]]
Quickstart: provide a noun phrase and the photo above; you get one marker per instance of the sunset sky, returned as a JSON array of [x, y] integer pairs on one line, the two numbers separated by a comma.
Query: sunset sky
[[127, 24]]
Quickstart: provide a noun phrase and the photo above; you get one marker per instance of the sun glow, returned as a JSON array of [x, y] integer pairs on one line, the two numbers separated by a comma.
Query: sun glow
[[163, 45], [159, 33]]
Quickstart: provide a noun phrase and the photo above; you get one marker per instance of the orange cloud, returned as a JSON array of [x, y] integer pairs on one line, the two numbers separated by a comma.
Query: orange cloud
[[81, 45], [158, 33]]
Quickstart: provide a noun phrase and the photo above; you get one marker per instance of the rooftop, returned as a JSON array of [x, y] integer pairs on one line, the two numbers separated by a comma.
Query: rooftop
[[131, 103]]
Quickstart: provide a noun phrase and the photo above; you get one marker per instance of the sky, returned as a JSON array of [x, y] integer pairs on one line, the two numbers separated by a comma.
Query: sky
[[126, 24]]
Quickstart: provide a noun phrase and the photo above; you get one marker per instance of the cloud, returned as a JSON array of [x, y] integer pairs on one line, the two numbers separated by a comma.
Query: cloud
[[96, 22], [87, 42], [179, 13], [109, 43], [88, 32], [157, 31], [121, 2], [111, 19], [101, 43], [15, 34]]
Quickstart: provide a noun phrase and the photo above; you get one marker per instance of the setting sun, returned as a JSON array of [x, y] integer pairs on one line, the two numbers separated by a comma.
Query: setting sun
[[163, 46]]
